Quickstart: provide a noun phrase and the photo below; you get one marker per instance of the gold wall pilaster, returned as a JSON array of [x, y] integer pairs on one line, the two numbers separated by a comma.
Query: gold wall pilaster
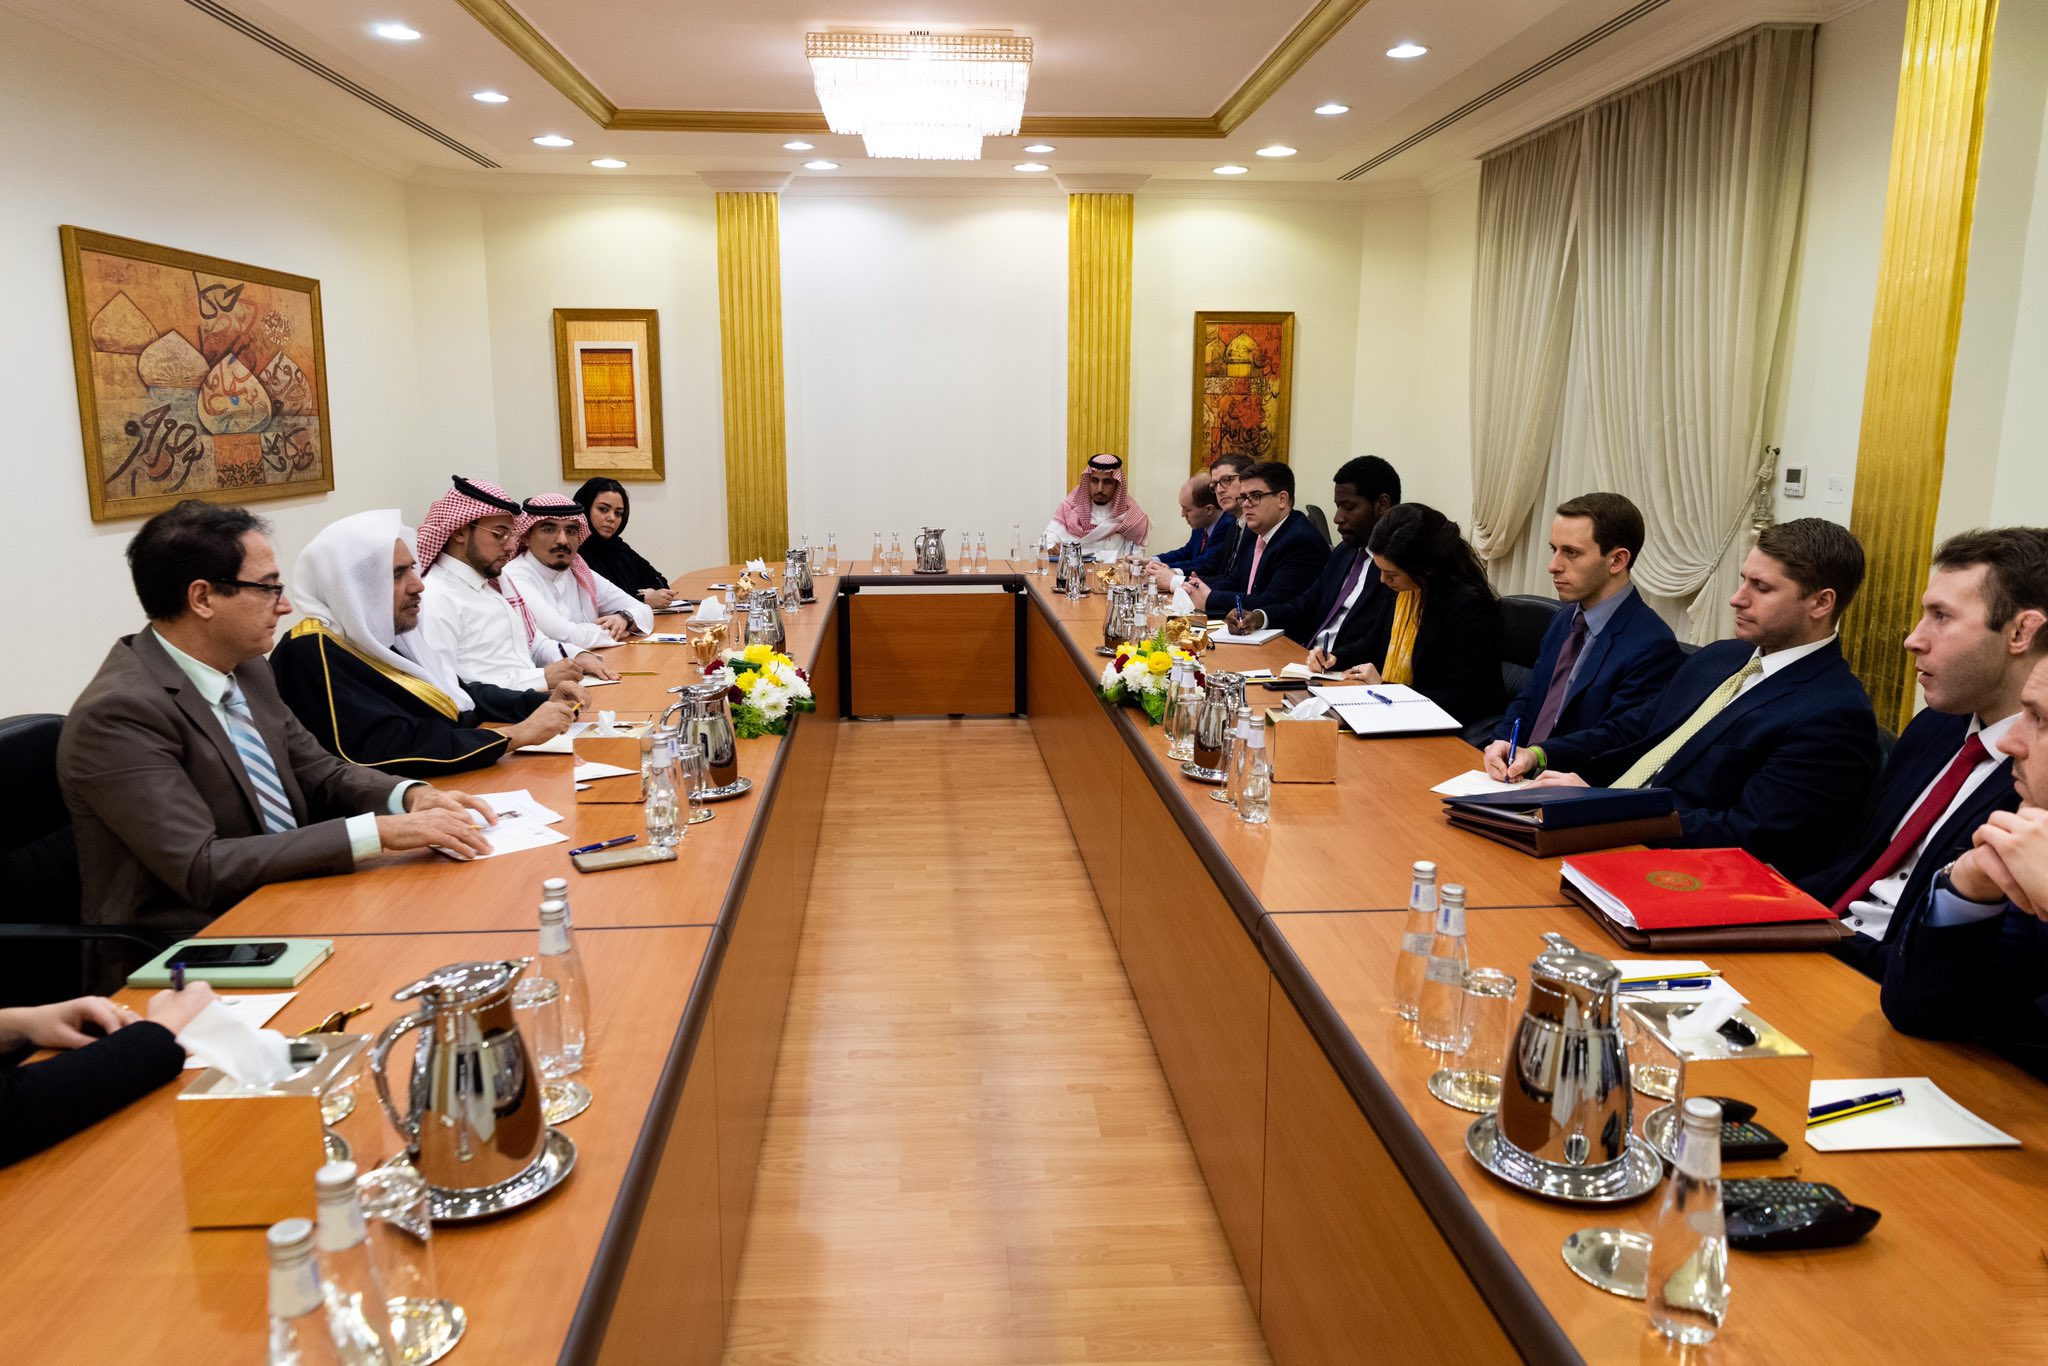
[[1913, 333], [750, 352], [1098, 329]]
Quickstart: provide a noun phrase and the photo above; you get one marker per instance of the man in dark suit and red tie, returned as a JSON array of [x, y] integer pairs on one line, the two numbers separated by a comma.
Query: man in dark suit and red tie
[[1986, 599], [1605, 659], [1285, 557]]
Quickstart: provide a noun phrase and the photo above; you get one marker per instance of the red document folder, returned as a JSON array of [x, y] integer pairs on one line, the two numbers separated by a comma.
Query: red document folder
[[1672, 889]]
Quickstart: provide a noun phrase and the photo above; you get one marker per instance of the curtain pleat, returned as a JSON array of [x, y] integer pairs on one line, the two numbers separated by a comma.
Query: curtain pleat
[[750, 352]]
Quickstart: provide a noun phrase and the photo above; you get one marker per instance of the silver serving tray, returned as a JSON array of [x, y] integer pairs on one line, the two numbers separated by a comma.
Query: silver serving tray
[[1616, 1260], [433, 1327], [336, 1146], [557, 1159], [1654, 1079], [1660, 1127], [1203, 775], [725, 794], [1632, 1176]]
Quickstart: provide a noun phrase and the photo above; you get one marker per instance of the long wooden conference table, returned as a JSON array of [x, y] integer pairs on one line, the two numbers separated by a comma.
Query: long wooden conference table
[[1261, 958]]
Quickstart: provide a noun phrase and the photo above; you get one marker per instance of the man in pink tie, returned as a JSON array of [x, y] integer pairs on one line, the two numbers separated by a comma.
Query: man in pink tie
[[1986, 600], [1284, 559]]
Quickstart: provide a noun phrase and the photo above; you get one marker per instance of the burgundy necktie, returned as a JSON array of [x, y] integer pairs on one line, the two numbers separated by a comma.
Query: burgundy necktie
[[1560, 680], [1918, 824], [1343, 594]]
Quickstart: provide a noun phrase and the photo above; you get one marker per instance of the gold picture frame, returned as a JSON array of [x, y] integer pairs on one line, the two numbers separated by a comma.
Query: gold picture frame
[[1243, 386], [198, 377], [608, 392]]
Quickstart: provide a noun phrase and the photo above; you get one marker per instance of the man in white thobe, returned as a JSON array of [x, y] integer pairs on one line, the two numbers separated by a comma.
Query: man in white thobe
[[568, 600], [1100, 514]]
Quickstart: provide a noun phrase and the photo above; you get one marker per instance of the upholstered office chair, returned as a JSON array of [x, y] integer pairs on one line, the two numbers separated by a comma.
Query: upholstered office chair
[[42, 940], [1318, 521], [1524, 618]]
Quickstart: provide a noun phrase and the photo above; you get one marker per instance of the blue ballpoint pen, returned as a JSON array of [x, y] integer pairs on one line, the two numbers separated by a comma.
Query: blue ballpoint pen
[[604, 844], [1377, 697], [1514, 736], [1670, 984]]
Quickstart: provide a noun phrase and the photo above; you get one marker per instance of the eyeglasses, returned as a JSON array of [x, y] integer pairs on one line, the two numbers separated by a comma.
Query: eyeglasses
[[276, 590], [1222, 479], [1256, 496]]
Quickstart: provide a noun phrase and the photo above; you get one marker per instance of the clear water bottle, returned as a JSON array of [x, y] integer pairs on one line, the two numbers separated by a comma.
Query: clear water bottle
[[1688, 1288], [981, 552], [1047, 547], [1255, 791], [1016, 542], [561, 964], [358, 1310], [1182, 697], [1440, 1020], [831, 552], [876, 564], [299, 1335], [1415, 937], [664, 798], [1240, 750], [895, 552]]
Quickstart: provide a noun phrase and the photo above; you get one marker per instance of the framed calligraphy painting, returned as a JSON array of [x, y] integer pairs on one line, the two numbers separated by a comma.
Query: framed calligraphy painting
[[608, 389], [1244, 386], [197, 377]]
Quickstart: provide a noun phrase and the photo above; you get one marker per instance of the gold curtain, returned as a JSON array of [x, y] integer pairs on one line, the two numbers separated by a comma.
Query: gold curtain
[[750, 347], [1098, 328], [1935, 140]]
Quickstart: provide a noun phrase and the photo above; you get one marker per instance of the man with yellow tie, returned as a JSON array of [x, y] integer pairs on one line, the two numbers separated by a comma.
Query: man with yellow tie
[[1766, 741]]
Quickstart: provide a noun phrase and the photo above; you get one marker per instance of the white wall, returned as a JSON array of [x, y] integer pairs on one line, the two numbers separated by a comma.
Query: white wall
[[924, 345], [130, 158], [1441, 474]]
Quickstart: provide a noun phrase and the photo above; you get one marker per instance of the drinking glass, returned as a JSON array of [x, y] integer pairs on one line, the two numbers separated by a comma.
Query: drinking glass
[[400, 1228], [1473, 1083], [694, 777], [537, 1006]]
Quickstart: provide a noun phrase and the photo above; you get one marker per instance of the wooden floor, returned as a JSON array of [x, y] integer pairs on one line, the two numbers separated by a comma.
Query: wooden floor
[[972, 1155]]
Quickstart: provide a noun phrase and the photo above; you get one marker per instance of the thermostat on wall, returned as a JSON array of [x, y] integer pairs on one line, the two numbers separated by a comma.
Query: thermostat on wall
[[1795, 481]]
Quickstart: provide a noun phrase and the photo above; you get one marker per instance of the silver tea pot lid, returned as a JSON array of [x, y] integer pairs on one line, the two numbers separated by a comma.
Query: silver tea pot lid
[[465, 983], [1564, 970]]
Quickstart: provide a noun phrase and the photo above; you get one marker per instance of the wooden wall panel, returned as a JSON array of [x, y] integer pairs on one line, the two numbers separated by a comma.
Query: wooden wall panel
[[1082, 752], [1354, 1269], [934, 654]]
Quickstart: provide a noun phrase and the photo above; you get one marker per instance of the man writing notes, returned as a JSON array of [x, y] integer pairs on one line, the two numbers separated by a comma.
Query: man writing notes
[[190, 783], [1606, 657], [568, 600], [1346, 599], [1100, 514], [1971, 962], [363, 679], [469, 613], [1280, 563], [1766, 740], [1986, 600]]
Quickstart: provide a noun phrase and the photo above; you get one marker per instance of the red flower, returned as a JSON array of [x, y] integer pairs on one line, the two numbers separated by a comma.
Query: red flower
[[734, 694]]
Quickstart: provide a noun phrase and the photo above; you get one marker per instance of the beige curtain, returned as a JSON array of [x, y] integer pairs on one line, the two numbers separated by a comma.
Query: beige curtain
[[1686, 203]]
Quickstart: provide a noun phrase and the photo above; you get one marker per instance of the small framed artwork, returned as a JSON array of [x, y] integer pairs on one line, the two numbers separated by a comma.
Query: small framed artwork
[[608, 384], [197, 377], [1244, 386]]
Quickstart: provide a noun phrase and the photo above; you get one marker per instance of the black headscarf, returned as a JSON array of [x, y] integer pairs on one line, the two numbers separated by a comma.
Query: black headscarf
[[610, 555]]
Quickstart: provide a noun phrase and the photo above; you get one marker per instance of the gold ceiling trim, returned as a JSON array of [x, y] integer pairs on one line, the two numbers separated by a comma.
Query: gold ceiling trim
[[508, 26]]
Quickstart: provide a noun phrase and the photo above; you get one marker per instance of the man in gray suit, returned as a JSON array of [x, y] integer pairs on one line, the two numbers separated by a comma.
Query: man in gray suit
[[190, 783]]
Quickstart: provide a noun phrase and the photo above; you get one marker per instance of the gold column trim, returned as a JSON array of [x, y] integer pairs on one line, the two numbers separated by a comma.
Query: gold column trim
[[1324, 21], [1914, 329], [1099, 235], [750, 352]]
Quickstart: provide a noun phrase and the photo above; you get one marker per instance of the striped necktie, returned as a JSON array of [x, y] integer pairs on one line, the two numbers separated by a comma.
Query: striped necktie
[[1646, 768], [256, 761]]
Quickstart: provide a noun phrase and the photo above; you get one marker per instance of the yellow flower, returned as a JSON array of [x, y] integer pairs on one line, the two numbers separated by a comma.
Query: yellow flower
[[746, 681], [1159, 663], [757, 653]]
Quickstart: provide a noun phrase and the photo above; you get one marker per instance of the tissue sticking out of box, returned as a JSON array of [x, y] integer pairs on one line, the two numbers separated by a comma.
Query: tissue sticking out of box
[[253, 1058], [710, 610]]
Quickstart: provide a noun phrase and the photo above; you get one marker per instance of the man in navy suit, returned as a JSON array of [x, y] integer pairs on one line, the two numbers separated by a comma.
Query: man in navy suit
[[1208, 523], [1285, 557], [1985, 601], [1972, 961], [1765, 740], [1605, 659], [1337, 611]]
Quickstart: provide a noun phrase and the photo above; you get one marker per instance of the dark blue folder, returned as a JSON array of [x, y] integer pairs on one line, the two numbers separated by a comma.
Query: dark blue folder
[[1567, 808]]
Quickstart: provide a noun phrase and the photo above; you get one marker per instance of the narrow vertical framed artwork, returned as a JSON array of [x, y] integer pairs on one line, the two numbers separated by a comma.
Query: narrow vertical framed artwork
[[608, 390], [1243, 386]]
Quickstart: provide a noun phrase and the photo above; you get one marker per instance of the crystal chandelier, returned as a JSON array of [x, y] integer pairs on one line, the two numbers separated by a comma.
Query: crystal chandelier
[[930, 96]]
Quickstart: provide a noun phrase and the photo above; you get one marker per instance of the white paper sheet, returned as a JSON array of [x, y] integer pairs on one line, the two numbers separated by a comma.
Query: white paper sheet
[[1254, 638], [586, 772], [1472, 783], [519, 804], [515, 836], [593, 681], [1930, 1118], [255, 1011], [1386, 709], [565, 743]]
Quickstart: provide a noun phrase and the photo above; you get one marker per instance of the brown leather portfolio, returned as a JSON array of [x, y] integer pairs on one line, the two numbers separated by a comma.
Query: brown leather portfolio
[[1544, 842]]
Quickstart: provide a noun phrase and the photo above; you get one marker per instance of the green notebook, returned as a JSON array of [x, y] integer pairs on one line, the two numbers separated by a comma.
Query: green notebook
[[301, 956]]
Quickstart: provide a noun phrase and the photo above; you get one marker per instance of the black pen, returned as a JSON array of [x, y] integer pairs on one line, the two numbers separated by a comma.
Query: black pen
[[177, 974], [604, 844]]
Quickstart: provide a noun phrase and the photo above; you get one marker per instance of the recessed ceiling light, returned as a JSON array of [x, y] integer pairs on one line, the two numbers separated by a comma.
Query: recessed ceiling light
[[397, 33], [1031, 166], [609, 164], [1039, 149], [1333, 108], [796, 146], [1405, 51], [489, 97], [1232, 170], [553, 140], [1276, 150], [821, 165]]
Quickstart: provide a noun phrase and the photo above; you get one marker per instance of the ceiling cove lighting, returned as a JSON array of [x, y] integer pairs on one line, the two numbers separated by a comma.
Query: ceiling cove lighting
[[1031, 166], [1276, 150], [821, 165], [1405, 51], [925, 96], [1232, 170], [798, 147], [609, 164], [1332, 109], [489, 97], [397, 33], [553, 140]]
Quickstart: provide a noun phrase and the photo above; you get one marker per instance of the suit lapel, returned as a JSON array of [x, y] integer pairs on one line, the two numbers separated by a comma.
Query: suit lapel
[[1770, 688], [161, 667]]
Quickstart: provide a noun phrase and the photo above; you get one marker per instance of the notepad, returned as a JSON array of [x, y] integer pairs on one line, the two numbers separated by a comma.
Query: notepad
[[1386, 709], [301, 956], [1930, 1118], [1252, 638], [1471, 783], [565, 743]]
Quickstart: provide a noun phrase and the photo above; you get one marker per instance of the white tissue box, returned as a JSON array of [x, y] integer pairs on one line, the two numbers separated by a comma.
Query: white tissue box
[[1762, 1067], [248, 1156]]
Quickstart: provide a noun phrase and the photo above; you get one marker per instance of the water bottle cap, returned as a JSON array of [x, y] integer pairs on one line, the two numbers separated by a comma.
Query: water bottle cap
[[1425, 870], [1701, 1112]]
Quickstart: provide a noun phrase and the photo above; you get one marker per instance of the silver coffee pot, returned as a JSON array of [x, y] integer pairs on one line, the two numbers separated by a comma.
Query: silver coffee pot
[[796, 570], [1565, 1094], [702, 715], [764, 619], [1072, 575], [474, 1116], [1125, 619], [930, 545], [1215, 720]]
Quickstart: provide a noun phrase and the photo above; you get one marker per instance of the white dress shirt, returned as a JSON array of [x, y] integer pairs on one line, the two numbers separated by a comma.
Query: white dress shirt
[[563, 611], [1102, 541], [1779, 659], [480, 628]]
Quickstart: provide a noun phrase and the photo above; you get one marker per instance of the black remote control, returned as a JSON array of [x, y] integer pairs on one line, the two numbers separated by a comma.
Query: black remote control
[[1773, 1213]]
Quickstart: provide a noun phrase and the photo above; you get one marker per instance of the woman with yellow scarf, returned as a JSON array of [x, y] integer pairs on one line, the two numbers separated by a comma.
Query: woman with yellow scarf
[[1442, 637]]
